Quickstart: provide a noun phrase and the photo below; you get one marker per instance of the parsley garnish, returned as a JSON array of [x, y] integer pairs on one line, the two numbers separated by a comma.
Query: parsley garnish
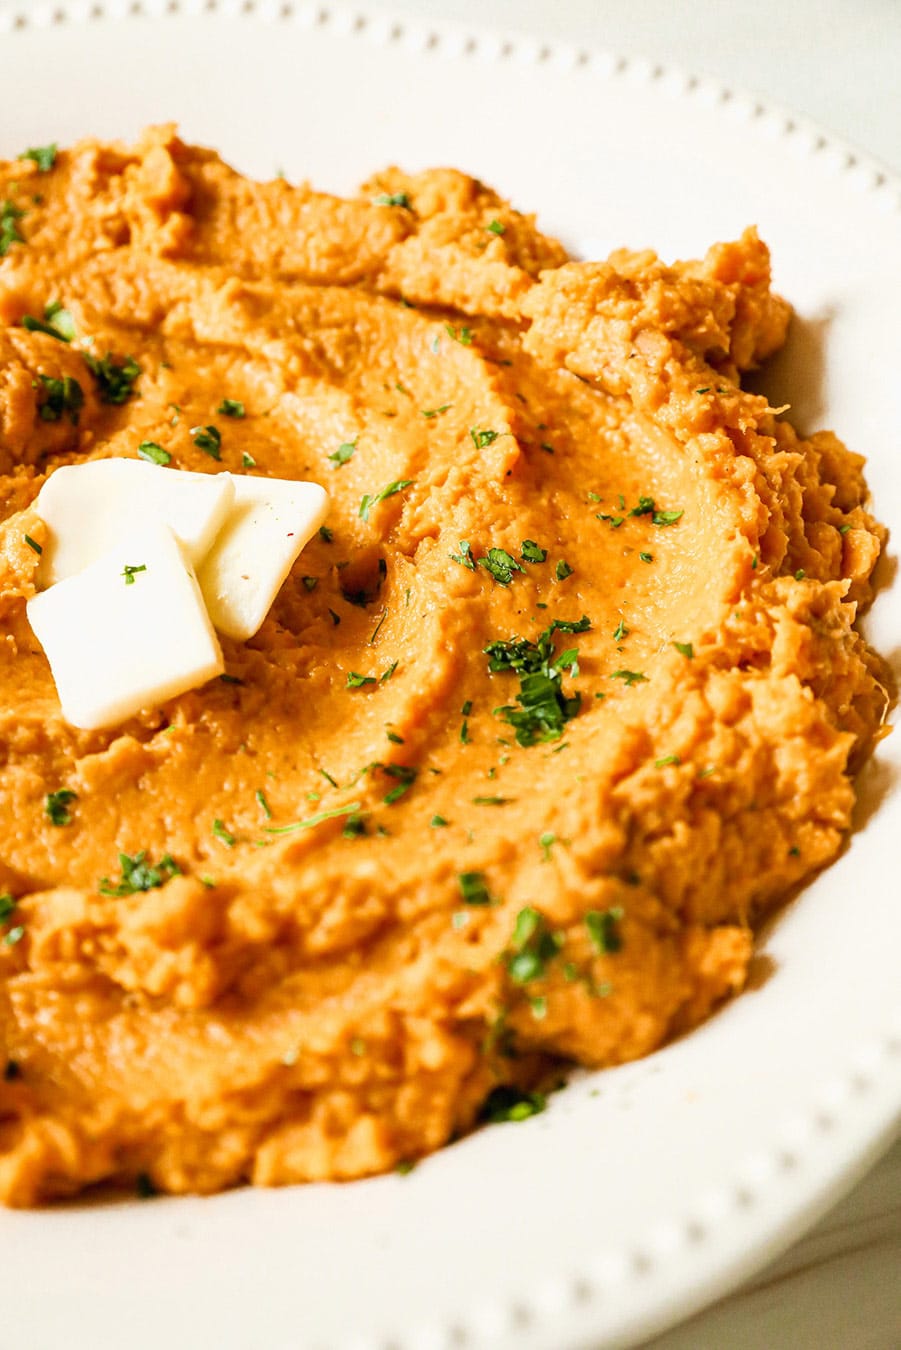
[[532, 552], [800, 574], [685, 649], [464, 557], [129, 571], [44, 156], [473, 886], [14, 935], [10, 234], [392, 199], [463, 336], [386, 674], [325, 534], [614, 521], [7, 905], [546, 841], [138, 874], [666, 760], [247, 461], [603, 929], [620, 631], [436, 412], [344, 453], [496, 227], [355, 681], [368, 502], [544, 708], [310, 821], [644, 508], [56, 806], [509, 1103], [221, 831], [534, 945], [116, 381], [482, 438], [354, 827], [438, 822], [501, 565], [491, 801], [263, 804], [310, 582], [394, 738], [231, 407], [209, 440], [630, 676], [646, 557], [56, 323], [33, 545], [563, 570], [405, 775], [60, 396], [666, 517], [154, 454]]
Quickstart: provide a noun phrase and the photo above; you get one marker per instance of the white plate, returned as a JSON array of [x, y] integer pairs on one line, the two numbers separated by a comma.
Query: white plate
[[648, 1190]]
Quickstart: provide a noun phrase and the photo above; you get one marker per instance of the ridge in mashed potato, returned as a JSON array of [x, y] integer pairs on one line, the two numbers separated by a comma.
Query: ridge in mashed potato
[[563, 700]]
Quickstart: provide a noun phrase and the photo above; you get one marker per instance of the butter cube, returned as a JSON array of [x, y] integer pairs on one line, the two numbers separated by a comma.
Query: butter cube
[[89, 507], [127, 632], [270, 522]]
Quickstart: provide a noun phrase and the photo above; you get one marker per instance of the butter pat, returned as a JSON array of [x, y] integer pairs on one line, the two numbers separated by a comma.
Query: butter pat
[[270, 522], [127, 632], [88, 508]]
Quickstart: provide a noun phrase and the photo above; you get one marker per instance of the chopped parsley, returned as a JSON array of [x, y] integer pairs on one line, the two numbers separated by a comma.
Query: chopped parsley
[[603, 929], [543, 707], [436, 412], [130, 570], [644, 508], [394, 738], [60, 396], [481, 439], [310, 582], [685, 649], [620, 631], [473, 885], [56, 323], [368, 502], [14, 935], [44, 156], [533, 946], [220, 831], [843, 529], [33, 545], [56, 806], [464, 557], [139, 874], [247, 461], [116, 381], [10, 234], [355, 681], [7, 905], [501, 565], [613, 521], [405, 776], [532, 552], [263, 804], [495, 227], [800, 574], [546, 842], [491, 801], [154, 454], [666, 760], [209, 440], [386, 674], [344, 453], [325, 534], [629, 676], [509, 1104], [231, 407], [310, 821], [646, 557], [463, 335], [438, 822], [392, 199], [354, 827], [666, 517], [563, 570]]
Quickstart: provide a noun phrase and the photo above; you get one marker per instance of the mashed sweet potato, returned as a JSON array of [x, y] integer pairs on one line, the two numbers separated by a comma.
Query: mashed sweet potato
[[565, 696]]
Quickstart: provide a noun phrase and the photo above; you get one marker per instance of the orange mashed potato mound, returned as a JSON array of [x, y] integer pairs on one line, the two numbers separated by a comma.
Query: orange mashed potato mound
[[564, 698]]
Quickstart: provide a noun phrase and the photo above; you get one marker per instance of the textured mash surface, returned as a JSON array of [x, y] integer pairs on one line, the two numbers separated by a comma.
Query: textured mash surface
[[324, 1003]]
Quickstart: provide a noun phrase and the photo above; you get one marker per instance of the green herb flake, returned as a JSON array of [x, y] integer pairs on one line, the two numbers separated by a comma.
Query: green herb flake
[[464, 557], [495, 227], [368, 502], [603, 929], [221, 832], [532, 552], [263, 804], [394, 738], [620, 631], [436, 412], [209, 440], [666, 761], [354, 827], [492, 801], [666, 517], [355, 681], [33, 545], [438, 823], [387, 673], [139, 874], [247, 461], [510, 1104], [563, 570], [405, 776], [7, 906], [481, 439], [154, 454], [56, 806], [344, 453], [10, 234], [351, 809], [473, 886], [644, 508], [392, 199], [56, 323], [231, 407], [130, 571], [544, 708], [546, 842], [685, 649], [533, 946], [613, 521], [44, 156], [116, 382], [843, 529], [405, 1166], [60, 396], [14, 935], [629, 676], [800, 574], [501, 565], [463, 335], [646, 557]]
